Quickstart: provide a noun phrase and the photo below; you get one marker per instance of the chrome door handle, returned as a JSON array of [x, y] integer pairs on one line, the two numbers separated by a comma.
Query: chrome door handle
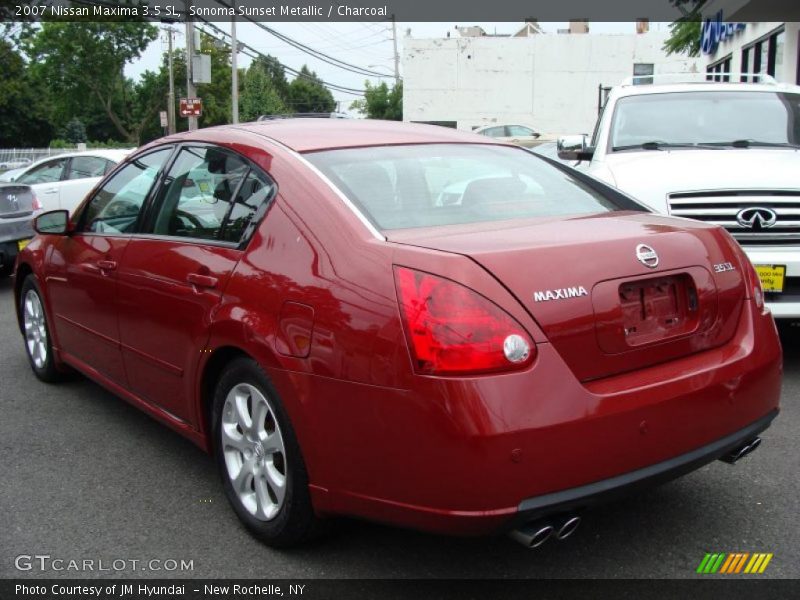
[[198, 280], [107, 265]]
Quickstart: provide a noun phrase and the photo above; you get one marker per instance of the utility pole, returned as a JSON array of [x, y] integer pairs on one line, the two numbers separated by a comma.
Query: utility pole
[[190, 91], [171, 96], [234, 70], [396, 55]]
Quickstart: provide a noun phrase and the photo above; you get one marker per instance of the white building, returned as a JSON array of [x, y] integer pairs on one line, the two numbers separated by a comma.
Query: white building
[[548, 81], [758, 47]]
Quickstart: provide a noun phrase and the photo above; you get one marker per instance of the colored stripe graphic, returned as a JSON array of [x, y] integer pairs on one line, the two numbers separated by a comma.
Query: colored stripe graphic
[[734, 562], [728, 564]]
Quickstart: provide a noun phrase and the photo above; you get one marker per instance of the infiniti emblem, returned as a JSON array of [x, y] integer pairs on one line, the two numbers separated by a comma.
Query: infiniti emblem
[[756, 217], [647, 256]]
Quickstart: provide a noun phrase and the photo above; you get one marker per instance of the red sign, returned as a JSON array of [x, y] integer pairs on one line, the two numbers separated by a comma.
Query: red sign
[[191, 107]]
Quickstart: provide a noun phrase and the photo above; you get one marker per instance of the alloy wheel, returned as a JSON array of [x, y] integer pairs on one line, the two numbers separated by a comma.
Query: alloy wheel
[[254, 451], [35, 330]]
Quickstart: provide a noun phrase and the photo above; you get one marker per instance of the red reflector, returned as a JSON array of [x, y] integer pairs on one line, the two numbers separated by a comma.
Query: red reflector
[[453, 330]]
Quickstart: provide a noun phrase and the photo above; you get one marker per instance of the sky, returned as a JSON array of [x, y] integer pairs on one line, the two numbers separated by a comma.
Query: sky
[[363, 43]]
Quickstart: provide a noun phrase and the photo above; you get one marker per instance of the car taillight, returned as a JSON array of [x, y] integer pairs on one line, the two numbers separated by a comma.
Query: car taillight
[[36, 204], [453, 330], [753, 282]]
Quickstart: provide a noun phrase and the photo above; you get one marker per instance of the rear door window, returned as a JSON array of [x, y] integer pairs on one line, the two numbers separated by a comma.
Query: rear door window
[[47, 172], [84, 167]]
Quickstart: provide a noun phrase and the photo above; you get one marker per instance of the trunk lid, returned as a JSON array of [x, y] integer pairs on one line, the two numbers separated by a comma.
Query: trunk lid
[[15, 201], [605, 309]]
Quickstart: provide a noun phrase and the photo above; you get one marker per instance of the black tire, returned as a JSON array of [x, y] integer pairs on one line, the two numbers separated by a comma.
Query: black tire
[[6, 270], [46, 370], [295, 521]]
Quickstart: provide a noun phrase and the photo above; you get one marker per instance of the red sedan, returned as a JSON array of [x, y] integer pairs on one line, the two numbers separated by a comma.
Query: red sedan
[[404, 323]]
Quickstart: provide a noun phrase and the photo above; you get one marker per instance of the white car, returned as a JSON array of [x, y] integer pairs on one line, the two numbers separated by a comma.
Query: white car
[[11, 175], [723, 153], [61, 182], [522, 135], [15, 163]]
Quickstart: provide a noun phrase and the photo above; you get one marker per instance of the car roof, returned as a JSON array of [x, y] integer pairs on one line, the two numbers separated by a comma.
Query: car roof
[[705, 86], [310, 134], [117, 155]]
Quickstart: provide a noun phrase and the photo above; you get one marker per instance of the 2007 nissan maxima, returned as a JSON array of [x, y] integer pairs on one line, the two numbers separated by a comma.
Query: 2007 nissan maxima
[[404, 323]]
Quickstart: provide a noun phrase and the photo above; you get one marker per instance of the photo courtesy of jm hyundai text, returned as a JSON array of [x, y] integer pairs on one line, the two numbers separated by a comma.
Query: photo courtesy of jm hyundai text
[[403, 323]]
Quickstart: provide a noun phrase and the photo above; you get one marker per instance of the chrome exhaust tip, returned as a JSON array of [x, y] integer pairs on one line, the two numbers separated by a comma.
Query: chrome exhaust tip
[[569, 527], [742, 451], [532, 535]]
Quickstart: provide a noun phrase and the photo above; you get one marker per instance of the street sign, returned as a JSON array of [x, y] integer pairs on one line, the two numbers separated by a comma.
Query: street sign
[[191, 107], [201, 68], [163, 117]]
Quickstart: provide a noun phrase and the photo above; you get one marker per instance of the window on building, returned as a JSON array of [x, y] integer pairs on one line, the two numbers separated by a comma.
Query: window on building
[[645, 73], [720, 70], [765, 55], [745, 63]]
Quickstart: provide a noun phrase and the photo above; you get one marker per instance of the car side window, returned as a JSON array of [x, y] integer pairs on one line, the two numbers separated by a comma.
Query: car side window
[[495, 132], [249, 206], [210, 193], [47, 172], [83, 167], [519, 130], [115, 207]]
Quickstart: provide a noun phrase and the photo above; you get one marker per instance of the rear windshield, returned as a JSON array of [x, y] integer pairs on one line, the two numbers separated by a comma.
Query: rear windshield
[[428, 185]]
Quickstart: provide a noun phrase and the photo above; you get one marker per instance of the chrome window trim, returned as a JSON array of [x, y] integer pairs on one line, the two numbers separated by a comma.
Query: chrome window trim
[[353, 208]]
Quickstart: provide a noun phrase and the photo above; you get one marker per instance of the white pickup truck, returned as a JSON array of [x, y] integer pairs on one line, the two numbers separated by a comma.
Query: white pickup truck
[[724, 153]]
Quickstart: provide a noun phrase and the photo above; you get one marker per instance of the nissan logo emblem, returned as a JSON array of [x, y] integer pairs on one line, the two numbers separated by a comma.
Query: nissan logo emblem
[[756, 217], [647, 256]]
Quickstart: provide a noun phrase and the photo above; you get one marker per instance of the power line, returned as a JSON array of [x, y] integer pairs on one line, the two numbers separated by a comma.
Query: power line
[[308, 50], [254, 53]]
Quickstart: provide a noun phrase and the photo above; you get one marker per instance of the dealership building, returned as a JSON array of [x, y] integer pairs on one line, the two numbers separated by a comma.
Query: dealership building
[[756, 47], [551, 81]]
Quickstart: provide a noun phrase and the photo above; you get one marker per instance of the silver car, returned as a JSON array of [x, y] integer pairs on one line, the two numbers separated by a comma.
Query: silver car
[[18, 207]]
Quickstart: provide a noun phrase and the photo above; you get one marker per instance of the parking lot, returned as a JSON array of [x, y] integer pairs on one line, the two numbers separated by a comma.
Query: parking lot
[[86, 476]]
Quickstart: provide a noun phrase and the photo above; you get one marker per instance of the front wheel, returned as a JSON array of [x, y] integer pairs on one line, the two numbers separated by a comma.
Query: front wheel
[[37, 333], [259, 460]]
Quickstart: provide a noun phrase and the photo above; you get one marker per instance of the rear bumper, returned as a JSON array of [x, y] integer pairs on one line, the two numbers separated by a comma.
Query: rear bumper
[[608, 489], [11, 231]]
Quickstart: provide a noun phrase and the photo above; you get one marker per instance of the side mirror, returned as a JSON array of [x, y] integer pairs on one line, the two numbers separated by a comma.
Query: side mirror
[[55, 222], [574, 147], [536, 135]]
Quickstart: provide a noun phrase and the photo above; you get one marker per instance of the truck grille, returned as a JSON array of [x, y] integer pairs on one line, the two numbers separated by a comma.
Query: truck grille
[[753, 217]]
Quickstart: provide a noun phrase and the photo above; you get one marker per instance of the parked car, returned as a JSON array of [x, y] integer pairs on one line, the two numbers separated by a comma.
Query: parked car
[[522, 135], [14, 163], [345, 346], [18, 205], [722, 153], [10, 175], [550, 150], [63, 181]]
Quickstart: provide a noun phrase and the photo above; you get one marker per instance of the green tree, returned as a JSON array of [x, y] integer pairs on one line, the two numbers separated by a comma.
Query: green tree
[[82, 64], [381, 102], [23, 106], [259, 96], [75, 132], [684, 36], [275, 73], [307, 94]]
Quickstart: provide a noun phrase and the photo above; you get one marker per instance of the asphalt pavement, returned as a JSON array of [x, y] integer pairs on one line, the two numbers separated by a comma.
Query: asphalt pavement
[[85, 476]]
